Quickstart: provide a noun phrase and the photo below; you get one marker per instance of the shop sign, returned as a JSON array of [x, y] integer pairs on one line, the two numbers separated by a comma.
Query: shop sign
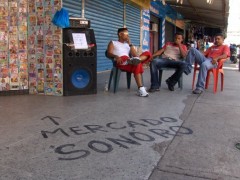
[[154, 10], [145, 29]]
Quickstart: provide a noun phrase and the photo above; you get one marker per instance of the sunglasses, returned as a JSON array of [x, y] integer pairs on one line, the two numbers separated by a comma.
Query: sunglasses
[[126, 33]]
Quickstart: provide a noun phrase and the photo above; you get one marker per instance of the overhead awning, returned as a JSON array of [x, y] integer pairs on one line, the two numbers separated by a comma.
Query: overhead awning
[[142, 4], [199, 12]]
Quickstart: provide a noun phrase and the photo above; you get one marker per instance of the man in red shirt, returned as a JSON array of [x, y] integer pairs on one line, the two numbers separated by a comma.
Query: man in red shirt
[[207, 60], [171, 54]]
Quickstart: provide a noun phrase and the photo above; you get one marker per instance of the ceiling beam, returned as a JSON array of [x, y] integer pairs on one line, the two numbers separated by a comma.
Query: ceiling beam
[[205, 14], [190, 8], [225, 12], [208, 24], [195, 10]]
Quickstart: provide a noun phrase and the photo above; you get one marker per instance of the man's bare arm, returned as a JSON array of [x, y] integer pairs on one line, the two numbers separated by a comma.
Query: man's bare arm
[[111, 55], [158, 53], [133, 51], [110, 51]]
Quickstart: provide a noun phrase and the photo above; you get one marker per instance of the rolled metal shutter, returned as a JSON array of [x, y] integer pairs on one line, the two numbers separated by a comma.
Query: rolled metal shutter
[[106, 17], [74, 7], [133, 19]]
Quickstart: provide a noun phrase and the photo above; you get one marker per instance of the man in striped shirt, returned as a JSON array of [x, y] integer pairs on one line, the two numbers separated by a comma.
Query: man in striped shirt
[[171, 53]]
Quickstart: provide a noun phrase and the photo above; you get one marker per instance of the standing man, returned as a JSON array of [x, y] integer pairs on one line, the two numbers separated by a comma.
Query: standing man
[[207, 60], [120, 51], [171, 53]]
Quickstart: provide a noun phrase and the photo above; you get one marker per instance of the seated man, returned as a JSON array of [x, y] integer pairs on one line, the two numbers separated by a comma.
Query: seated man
[[120, 50], [207, 61], [171, 54]]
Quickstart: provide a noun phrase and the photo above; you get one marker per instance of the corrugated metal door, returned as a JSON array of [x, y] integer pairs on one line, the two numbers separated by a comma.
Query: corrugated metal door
[[133, 19], [74, 7], [106, 17]]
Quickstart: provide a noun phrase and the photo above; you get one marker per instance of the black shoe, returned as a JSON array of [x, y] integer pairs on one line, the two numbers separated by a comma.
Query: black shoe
[[151, 90], [197, 91], [187, 71], [170, 86]]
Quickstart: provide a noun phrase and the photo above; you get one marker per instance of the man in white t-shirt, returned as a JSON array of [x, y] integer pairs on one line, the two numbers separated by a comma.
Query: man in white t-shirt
[[120, 51], [171, 53]]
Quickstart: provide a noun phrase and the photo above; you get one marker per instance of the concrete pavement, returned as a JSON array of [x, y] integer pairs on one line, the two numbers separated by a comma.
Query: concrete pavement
[[169, 135]]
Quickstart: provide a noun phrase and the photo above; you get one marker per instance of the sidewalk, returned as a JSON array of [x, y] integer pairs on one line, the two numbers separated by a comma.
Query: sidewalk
[[169, 135], [210, 152]]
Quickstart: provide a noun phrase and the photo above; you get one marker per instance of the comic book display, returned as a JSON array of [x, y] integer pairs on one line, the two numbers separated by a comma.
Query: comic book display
[[13, 45], [30, 47], [45, 49]]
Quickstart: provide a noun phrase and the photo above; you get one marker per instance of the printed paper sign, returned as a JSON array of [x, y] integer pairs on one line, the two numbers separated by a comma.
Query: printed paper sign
[[79, 40]]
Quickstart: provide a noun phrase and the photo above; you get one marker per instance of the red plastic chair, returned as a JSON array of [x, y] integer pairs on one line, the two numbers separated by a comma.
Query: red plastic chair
[[215, 73]]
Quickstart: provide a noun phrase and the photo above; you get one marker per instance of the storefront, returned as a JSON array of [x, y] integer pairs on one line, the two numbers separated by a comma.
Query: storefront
[[157, 26], [31, 46], [170, 25], [170, 30], [163, 25], [154, 33], [106, 17]]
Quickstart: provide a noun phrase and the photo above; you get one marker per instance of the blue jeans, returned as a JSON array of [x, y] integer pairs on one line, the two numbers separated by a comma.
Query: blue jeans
[[163, 62], [205, 64]]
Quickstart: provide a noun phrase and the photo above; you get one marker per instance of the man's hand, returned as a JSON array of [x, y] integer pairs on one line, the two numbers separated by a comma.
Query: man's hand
[[128, 40], [214, 60], [152, 57], [118, 60]]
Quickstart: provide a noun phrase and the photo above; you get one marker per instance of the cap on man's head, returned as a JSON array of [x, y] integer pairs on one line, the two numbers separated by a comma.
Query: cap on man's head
[[122, 29]]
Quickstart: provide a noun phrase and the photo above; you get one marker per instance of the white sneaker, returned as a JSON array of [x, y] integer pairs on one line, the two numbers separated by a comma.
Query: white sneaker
[[125, 63], [134, 61], [142, 92]]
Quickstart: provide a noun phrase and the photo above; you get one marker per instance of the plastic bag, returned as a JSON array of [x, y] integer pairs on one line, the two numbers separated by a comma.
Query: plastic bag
[[61, 18]]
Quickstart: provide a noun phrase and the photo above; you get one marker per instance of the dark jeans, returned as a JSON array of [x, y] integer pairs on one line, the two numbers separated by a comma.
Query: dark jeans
[[156, 64]]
